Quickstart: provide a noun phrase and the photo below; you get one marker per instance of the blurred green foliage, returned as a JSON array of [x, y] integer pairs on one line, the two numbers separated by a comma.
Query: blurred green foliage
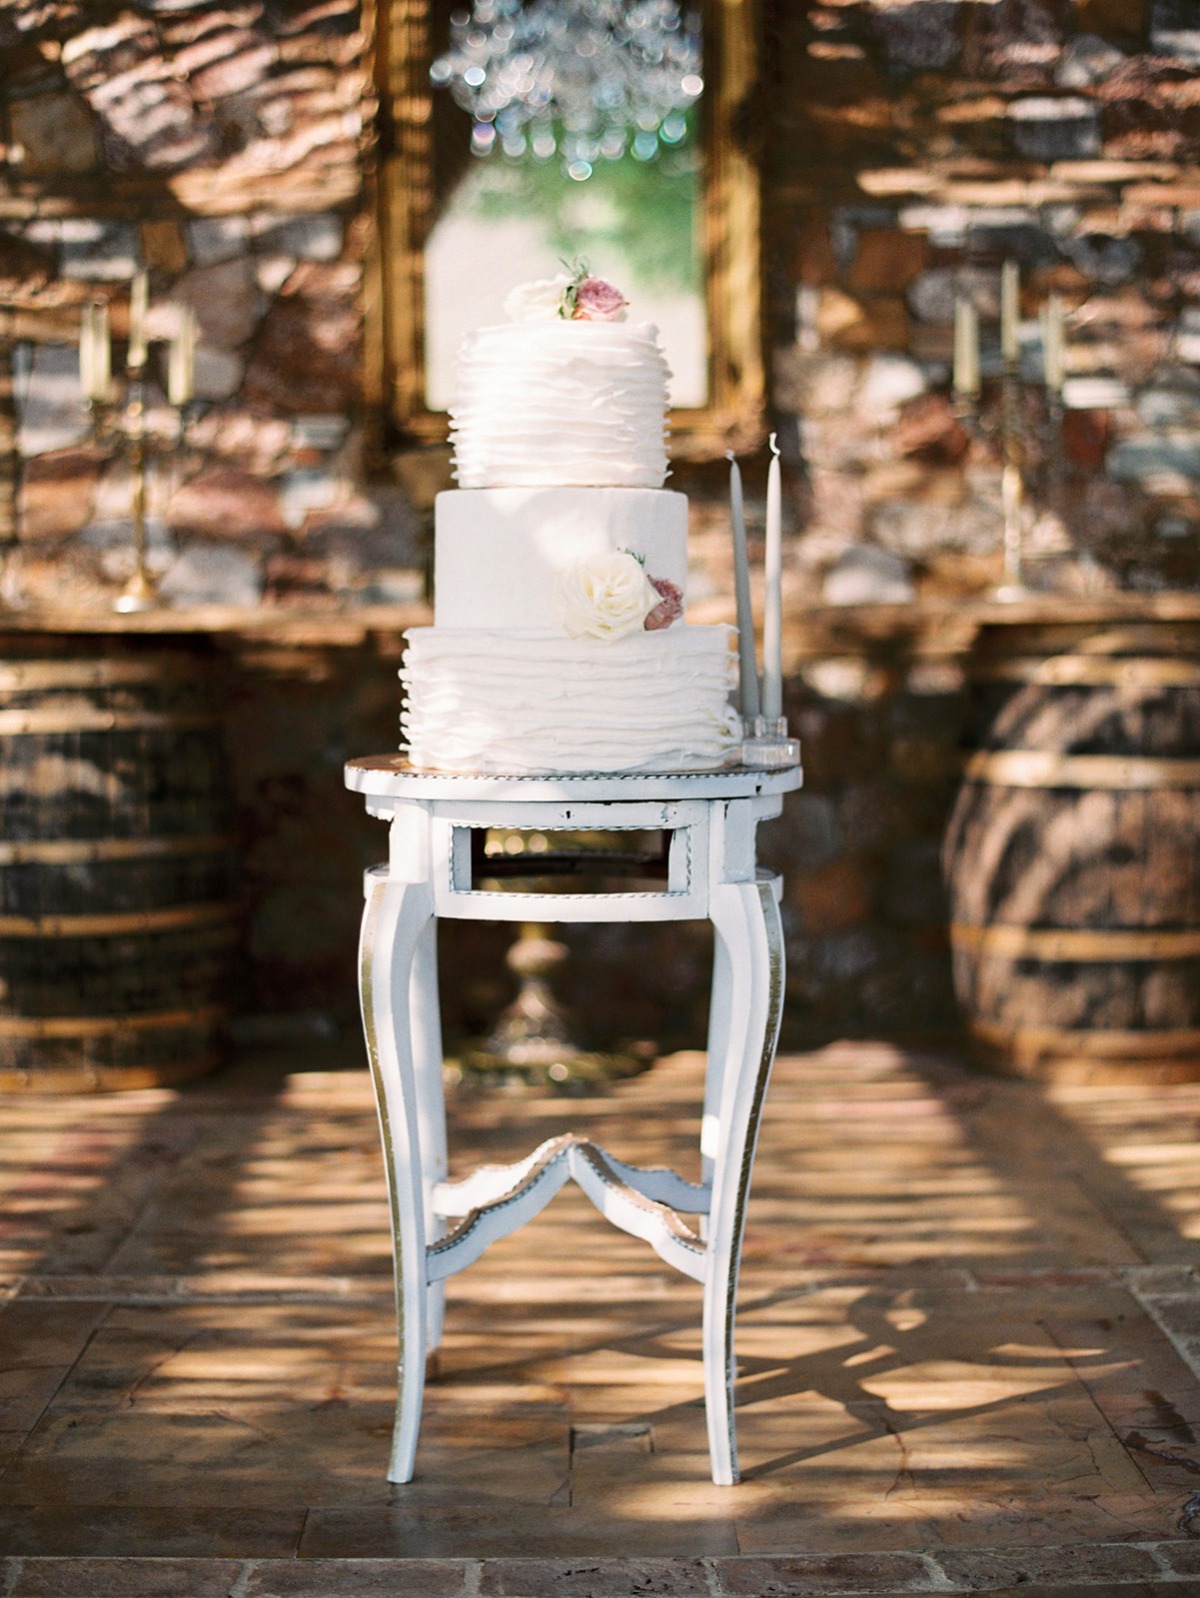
[[641, 215]]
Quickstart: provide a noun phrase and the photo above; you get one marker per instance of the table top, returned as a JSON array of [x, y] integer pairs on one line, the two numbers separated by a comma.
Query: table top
[[390, 776]]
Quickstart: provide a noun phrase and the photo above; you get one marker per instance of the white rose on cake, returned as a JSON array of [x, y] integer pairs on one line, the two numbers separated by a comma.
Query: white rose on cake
[[606, 596], [541, 301]]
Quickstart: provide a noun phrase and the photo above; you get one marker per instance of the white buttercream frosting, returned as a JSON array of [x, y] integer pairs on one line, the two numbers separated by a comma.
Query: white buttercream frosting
[[498, 551], [560, 403], [536, 701]]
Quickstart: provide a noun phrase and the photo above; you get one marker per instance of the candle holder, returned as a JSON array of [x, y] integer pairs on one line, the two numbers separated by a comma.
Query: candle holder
[[118, 413], [1012, 486], [141, 591], [1020, 440], [769, 748], [1014, 434]]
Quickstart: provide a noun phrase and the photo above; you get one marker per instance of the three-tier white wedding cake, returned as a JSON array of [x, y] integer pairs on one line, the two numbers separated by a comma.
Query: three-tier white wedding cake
[[560, 641]]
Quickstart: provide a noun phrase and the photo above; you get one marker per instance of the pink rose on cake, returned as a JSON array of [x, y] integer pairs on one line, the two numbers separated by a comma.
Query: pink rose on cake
[[598, 301], [669, 607]]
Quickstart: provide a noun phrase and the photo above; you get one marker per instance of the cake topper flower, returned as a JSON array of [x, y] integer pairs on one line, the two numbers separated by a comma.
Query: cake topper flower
[[578, 297], [541, 301], [669, 607], [606, 596], [609, 596], [593, 300]]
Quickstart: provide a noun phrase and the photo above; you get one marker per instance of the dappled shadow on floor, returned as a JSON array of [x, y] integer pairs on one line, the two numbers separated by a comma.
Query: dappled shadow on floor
[[956, 1300]]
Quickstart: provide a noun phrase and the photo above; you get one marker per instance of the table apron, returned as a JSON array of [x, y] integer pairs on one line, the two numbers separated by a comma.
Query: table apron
[[482, 905]]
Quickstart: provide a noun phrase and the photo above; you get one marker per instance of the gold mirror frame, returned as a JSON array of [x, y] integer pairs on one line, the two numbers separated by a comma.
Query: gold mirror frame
[[403, 198]]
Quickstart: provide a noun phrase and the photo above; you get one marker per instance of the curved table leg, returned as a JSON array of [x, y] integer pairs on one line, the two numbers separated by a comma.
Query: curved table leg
[[426, 1029], [718, 1053], [396, 919], [750, 965]]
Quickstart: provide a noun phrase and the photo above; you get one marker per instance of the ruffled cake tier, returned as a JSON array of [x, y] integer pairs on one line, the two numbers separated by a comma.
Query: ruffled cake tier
[[562, 404], [539, 702]]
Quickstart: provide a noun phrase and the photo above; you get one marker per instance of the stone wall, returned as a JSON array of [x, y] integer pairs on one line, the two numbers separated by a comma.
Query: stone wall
[[222, 149], [912, 146]]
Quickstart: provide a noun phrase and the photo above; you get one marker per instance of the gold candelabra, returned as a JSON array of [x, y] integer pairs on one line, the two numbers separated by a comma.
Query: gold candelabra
[[1013, 427], [118, 409]]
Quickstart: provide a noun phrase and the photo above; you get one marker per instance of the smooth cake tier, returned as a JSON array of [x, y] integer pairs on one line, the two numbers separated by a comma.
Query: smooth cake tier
[[540, 702], [560, 404], [497, 551]]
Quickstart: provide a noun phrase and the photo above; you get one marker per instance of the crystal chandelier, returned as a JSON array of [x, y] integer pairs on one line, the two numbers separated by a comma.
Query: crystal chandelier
[[590, 80]]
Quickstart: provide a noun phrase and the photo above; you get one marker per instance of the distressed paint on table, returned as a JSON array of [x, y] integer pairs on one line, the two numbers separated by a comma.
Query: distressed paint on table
[[710, 819]]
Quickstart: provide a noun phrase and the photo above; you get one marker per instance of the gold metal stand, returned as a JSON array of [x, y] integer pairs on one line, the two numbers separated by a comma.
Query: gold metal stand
[[118, 412], [141, 591], [1008, 428]]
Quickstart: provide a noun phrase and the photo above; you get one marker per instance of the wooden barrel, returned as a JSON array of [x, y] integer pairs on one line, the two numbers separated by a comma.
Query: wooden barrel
[[117, 923], [1073, 852]]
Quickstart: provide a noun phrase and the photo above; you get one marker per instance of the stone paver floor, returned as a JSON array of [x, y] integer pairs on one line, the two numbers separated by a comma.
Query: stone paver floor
[[969, 1340]]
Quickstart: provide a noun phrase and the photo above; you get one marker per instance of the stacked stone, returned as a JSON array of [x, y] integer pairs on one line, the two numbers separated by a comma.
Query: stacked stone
[[914, 146], [221, 148], [864, 910]]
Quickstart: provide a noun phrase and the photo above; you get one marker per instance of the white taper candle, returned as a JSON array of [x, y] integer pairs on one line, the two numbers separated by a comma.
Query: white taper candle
[[87, 346], [139, 304], [181, 360], [747, 661], [101, 352], [1054, 345], [1010, 312], [966, 348], [772, 685]]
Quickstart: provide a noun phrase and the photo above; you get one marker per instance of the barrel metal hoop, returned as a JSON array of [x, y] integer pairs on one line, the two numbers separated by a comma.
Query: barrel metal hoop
[[1039, 768], [1110, 1044], [83, 850], [1091, 671], [1078, 943], [38, 675], [1121, 638], [92, 1026], [88, 1078], [79, 851], [16, 722], [118, 923]]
